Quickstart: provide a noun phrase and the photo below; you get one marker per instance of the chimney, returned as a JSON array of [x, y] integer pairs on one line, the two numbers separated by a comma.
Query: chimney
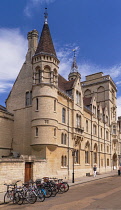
[[32, 40]]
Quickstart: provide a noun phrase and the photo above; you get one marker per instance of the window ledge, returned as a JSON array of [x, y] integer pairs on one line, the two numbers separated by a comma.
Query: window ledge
[[27, 106], [87, 164], [64, 167], [36, 136], [36, 110], [76, 164]]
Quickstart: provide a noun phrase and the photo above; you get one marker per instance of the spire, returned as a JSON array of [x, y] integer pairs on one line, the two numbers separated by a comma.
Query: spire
[[45, 45], [74, 67]]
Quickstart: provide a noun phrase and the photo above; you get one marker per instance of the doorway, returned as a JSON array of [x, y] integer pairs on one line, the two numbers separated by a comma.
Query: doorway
[[114, 161], [28, 171]]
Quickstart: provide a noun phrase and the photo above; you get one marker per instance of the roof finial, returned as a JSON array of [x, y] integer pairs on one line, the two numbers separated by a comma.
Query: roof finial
[[74, 67], [46, 15]]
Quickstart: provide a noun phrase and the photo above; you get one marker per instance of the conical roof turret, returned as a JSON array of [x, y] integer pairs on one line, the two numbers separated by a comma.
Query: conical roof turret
[[45, 45]]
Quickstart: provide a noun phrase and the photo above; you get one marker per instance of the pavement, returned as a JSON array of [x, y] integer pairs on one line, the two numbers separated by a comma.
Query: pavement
[[77, 181]]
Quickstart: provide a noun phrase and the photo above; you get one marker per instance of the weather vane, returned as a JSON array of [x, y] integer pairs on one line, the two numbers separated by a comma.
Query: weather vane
[[74, 50], [46, 15], [74, 67]]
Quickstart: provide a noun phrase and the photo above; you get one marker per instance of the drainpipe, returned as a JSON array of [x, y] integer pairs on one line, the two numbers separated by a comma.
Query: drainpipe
[[68, 139], [98, 143], [110, 140], [104, 146], [91, 143]]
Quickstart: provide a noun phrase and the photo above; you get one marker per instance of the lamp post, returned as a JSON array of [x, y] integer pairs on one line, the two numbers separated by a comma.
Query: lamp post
[[73, 155]]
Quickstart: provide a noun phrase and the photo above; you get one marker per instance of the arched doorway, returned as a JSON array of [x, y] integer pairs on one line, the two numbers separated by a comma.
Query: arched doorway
[[114, 161]]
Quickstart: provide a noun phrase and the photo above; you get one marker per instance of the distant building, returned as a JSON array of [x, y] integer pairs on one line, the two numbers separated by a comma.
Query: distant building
[[48, 117]]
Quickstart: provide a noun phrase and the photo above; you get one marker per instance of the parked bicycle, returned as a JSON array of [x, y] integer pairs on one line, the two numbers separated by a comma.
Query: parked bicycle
[[12, 194]]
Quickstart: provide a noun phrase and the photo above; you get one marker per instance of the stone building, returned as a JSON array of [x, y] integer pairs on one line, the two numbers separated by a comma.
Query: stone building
[[48, 118]]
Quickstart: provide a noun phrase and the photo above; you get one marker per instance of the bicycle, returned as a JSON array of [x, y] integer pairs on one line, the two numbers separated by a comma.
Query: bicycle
[[12, 194]]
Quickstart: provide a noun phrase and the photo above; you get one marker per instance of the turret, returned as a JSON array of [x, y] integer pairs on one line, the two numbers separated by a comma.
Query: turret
[[44, 93], [45, 61]]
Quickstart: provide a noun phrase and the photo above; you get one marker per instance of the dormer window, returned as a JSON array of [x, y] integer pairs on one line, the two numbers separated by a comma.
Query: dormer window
[[94, 110], [78, 98]]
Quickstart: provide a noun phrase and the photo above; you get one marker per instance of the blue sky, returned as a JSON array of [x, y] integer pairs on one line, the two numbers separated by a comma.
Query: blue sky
[[93, 27]]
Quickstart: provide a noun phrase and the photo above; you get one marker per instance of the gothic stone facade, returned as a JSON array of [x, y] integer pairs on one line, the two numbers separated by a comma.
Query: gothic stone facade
[[47, 118]]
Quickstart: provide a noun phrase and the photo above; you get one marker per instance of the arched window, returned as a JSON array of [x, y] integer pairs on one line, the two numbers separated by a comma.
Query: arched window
[[63, 115], [54, 76], [54, 131], [78, 97], [65, 136], [28, 98], [38, 76], [87, 153], [37, 104], [62, 138], [54, 105], [36, 131], [87, 93], [95, 153], [63, 161], [47, 74], [77, 156]]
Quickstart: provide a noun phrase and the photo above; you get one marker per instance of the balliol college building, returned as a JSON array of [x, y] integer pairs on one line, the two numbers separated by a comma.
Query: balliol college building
[[50, 123]]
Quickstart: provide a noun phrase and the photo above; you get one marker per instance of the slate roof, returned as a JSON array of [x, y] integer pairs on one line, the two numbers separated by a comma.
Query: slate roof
[[2, 108], [87, 101], [45, 45], [63, 84]]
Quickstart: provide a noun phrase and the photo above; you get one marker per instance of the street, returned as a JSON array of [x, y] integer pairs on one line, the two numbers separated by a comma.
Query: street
[[99, 194]]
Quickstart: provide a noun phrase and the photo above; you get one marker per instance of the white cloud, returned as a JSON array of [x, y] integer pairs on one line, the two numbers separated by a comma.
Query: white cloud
[[35, 4], [118, 83], [65, 56], [5, 86], [13, 47]]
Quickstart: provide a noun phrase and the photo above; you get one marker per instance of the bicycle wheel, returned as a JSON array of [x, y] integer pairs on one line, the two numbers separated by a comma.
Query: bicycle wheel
[[62, 188], [66, 186], [41, 196], [48, 192], [18, 197], [8, 197], [54, 192], [30, 197]]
